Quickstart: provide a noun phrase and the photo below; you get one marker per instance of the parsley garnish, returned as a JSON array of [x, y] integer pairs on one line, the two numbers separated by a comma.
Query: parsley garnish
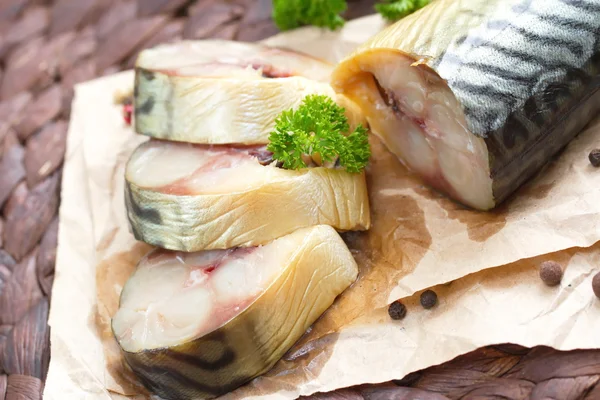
[[290, 14], [394, 10], [317, 128]]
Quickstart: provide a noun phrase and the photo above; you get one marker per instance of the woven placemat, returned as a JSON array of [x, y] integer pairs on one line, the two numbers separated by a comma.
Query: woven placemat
[[45, 48]]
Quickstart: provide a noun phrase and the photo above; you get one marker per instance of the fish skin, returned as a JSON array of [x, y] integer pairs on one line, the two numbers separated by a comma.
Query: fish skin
[[525, 72], [247, 346]]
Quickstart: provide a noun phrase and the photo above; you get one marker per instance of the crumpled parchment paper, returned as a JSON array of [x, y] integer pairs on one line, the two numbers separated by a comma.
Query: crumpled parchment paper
[[419, 239]]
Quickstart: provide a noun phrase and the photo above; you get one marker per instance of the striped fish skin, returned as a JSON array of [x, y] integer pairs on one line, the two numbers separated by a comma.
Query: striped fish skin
[[314, 269], [525, 75], [191, 197], [221, 92]]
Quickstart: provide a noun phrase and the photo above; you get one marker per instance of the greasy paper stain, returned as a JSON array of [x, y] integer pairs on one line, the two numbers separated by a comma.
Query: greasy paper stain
[[106, 240], [481, 225], [536, 191], [111, 275]]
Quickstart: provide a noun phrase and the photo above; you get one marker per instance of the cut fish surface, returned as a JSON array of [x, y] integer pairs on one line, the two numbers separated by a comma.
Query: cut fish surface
[[477, 96], [197, 325], [196, 197], [223, 92]]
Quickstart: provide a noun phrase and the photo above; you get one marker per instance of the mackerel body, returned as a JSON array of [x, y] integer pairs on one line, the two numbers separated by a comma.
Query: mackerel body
[[523, 78]]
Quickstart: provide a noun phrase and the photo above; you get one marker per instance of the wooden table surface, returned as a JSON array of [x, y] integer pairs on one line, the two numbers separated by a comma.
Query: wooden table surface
[[47, 46]]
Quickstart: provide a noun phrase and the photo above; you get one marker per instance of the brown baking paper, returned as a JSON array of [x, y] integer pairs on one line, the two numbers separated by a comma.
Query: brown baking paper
[[419, 239]]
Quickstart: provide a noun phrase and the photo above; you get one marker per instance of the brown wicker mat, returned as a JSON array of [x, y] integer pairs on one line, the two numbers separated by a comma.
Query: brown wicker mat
[[47, 46]]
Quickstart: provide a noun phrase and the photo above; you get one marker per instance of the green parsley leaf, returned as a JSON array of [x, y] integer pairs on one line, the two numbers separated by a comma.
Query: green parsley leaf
[[394, 10], [290, 14], [317, 127]]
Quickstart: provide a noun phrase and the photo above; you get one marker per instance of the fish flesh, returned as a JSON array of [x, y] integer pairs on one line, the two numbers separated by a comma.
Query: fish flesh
[[198, 325], [476, 96], [217, 91], [191, 197]]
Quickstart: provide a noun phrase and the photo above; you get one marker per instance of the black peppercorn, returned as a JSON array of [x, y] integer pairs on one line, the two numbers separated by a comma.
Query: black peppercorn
[[596, 285], [428, 299], [397, 310], [595, 157], [551, 273]]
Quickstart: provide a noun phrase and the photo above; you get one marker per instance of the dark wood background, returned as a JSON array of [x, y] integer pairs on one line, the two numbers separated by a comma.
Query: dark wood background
[[47, 46]]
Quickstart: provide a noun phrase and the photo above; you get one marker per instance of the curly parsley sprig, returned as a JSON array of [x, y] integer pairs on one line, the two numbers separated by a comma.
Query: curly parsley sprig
[[317, 128], [393, 10], [290, 14]]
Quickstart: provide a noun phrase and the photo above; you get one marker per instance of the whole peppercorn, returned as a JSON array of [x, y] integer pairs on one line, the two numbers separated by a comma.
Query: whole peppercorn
[[397, 310], [595, 157], [428, 299], [596, 285], [551, 273]]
